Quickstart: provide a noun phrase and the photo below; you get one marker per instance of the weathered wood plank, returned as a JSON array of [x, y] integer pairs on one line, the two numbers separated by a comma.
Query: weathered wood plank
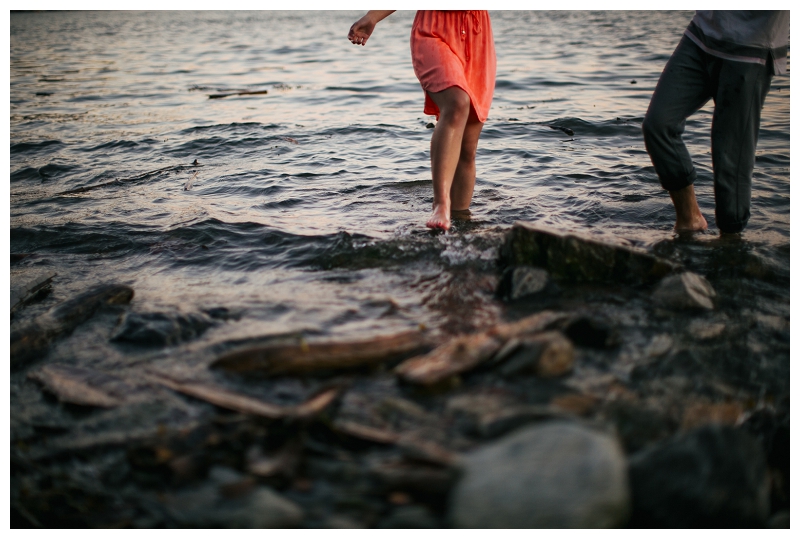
[[453, 357], [225, 398], [82, 386], [305, 358]]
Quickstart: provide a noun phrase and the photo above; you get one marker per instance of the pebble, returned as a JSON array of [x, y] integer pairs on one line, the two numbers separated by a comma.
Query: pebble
[[557, 475], [659, 345], [521, 281], [685, 290], [206, 507], [706, 331]]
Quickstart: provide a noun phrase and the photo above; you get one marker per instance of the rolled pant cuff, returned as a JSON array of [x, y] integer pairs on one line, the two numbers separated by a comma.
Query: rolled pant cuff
[[730, 227], [676, 184]]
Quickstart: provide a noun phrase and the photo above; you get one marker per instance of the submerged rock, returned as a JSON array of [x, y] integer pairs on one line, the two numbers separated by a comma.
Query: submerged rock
[[712, 477], [686, 290], [547, 355], [33, 338], [161, 329], [522, 281], [28, 287], [558, 475], [578, 257], [590, 331], [210, 507], [409, 517]]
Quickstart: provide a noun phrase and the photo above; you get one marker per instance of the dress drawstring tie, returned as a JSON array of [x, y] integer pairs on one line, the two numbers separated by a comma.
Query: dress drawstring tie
[[476, 26]]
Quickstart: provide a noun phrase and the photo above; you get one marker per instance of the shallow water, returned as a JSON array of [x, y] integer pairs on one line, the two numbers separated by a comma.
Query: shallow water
[[306, 209], [328, 174]]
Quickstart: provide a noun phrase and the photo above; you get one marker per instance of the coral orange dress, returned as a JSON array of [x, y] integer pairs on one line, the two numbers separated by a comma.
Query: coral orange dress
[[455, 48]]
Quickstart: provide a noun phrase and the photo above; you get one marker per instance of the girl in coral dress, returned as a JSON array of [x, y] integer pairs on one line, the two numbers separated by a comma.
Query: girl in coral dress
[[454, 60]]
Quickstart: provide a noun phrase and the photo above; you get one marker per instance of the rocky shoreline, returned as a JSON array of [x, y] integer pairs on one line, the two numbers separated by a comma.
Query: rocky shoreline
[[623, 389]]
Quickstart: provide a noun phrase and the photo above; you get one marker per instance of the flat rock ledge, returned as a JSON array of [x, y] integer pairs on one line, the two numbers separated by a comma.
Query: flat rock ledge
[[578, 257], [557, 475]]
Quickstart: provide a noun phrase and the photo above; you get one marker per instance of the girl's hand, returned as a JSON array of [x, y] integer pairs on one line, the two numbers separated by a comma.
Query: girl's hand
[[361, 30], [363, 27]]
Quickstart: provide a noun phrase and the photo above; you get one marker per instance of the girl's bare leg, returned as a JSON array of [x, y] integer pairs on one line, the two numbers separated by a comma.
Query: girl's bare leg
[[464, 179], [446, 143]]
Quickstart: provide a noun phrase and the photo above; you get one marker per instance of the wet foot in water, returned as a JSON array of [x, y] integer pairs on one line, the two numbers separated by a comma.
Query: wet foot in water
[[440, 218], [687, 213], [697, 223]]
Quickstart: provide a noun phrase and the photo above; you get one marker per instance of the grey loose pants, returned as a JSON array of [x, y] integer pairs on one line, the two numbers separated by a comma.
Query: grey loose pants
[[690, 78]]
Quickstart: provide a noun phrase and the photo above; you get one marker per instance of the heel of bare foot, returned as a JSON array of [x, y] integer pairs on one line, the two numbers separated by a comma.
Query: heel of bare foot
[[439, 219], [697, 223]]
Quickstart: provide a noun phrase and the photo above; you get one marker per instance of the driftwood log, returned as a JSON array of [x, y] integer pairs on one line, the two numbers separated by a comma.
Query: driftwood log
[[464, 353], [85, 387], [225, 398], [308, 358]]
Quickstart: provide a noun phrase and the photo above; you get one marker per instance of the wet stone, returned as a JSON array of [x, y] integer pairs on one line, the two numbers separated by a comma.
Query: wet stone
[[32, 339], [27, 287], [685, 290], [712, 477], [578, 257], [659, 345], [409, 517], [522, 281], [208, 507], [547, 355], [558, 475], [161, 329], [591, 331], [705, 331]]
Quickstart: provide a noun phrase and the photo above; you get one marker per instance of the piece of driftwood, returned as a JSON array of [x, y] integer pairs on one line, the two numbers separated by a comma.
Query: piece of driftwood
[[528, 325], [33, 338], [82, 386], [458, 355], [412, 445], [24, 290], [188, 184], [306, 358], [126, 181], [466, 352], [225, 398], [220, 96]]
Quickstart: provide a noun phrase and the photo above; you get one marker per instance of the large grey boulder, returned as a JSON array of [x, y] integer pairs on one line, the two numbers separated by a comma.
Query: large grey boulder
[[685, 290], [556, 475], [578, 257]]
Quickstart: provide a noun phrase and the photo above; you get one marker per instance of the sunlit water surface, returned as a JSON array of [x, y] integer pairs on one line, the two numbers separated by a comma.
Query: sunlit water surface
[[308, 205]]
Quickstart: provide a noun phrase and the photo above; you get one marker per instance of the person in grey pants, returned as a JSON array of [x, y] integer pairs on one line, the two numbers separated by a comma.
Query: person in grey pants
[[731, 57]]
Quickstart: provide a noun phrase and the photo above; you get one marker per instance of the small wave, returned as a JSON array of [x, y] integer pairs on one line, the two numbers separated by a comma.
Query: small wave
[[44, 146]]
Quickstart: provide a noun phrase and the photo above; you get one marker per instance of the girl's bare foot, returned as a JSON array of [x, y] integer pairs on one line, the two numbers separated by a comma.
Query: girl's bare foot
[[440, 218]]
